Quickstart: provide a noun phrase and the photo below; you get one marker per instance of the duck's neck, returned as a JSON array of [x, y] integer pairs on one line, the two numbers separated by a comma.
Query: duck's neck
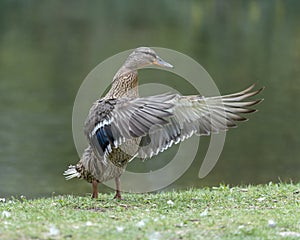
[[125, 84]]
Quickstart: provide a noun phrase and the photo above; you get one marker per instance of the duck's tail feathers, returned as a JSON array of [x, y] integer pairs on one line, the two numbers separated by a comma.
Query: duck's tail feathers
[[72, 172]]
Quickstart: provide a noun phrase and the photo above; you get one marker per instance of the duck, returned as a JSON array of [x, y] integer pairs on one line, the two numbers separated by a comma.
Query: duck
[[123, 125]]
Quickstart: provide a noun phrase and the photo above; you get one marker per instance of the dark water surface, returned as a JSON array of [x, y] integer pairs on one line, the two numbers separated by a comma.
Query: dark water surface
[[48, 47]]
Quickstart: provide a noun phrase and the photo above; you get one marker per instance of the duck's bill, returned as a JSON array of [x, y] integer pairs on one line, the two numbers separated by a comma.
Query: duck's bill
[[162, 63]]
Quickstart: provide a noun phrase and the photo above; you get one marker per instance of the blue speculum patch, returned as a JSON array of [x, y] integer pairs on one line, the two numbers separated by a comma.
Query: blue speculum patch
[[104, 137]]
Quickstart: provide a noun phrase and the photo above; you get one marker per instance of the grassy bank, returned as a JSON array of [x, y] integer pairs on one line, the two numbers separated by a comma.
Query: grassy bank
[[260, 212]]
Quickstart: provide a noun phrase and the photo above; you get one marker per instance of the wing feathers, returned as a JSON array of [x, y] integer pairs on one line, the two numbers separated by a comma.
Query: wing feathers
[[166, 119]]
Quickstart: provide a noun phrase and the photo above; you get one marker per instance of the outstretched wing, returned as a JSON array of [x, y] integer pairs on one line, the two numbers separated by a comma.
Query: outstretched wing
[[198, 115], [163, 120]]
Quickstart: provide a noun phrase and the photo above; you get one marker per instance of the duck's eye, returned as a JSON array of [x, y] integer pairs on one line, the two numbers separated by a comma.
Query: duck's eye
[[150, 53]]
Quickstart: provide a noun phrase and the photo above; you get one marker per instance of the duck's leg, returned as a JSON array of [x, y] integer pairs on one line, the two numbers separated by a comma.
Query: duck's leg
[[95, 189], [118, 188]]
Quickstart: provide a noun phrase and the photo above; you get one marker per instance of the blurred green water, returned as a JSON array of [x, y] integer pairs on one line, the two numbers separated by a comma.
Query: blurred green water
[[48, 47]]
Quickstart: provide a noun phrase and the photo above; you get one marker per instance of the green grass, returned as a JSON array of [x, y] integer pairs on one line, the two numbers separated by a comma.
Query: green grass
[[210, 213]]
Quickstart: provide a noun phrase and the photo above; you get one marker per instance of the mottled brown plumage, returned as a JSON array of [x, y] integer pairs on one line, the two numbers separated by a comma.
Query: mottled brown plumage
[[123, 125]]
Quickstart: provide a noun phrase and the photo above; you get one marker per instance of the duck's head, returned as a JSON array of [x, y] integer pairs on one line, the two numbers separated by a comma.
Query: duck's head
[[143, 57]]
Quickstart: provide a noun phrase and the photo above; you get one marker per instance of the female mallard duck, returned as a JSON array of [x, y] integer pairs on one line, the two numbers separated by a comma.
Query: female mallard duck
[[123, 125]]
